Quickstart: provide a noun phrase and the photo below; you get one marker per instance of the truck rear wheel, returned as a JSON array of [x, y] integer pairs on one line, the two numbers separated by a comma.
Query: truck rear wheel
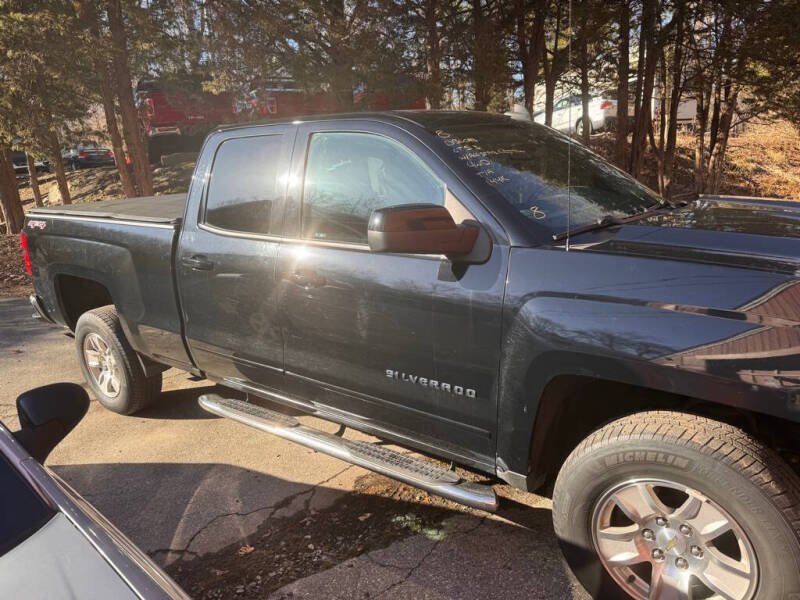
[[670, 505], [110, 365]]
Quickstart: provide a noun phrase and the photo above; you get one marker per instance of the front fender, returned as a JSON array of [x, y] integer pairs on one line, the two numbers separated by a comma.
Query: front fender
[[644, 322]]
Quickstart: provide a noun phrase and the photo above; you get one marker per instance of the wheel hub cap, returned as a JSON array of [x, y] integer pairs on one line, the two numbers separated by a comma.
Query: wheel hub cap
[[101, 364], [659, 539]]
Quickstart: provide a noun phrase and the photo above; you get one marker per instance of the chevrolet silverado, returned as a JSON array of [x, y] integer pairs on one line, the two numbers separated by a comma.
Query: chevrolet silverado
[[484, 291]]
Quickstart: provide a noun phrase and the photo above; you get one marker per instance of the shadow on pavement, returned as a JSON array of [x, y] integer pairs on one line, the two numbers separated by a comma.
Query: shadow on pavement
[[182, 403], [233, 532], [18, 325]]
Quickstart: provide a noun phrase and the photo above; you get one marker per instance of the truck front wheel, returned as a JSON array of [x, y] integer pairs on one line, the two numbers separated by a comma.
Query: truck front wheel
[[669, 505], [110, 365]]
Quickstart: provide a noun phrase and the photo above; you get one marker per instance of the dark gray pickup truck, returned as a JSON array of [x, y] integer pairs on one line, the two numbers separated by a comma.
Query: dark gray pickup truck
[[484, 291]]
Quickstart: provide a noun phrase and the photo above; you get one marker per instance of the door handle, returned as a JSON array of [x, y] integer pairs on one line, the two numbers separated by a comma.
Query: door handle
[[198, 263], [308, 279]]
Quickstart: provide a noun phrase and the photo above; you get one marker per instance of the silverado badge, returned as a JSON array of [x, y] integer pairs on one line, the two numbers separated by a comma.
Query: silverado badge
[[456, 390]]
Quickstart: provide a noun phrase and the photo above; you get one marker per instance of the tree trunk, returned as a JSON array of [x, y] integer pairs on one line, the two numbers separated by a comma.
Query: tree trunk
[[54, 146], [130, 119], [623, 69], [714, 127], [34, 179], [644, 116], [107, 100], [674, 102], [479, 70], [585, 98], [341, 55], [523, 52], [530, 43], [434, 55], [717, 160], [549, 100], [700, 125], [13, 214], [552, 70], [643, 42], [107, 96]]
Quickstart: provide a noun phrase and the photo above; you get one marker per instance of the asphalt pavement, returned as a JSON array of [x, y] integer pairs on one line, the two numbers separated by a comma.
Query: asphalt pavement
[[214, 501]]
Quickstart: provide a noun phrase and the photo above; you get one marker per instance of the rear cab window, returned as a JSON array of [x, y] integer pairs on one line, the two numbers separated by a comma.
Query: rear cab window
[[243, 188]]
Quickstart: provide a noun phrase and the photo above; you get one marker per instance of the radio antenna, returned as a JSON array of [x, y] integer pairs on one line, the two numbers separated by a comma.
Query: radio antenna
[[569, 129]]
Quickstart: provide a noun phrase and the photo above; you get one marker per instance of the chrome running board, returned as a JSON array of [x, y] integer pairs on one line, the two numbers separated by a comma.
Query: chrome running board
[[413, 471]]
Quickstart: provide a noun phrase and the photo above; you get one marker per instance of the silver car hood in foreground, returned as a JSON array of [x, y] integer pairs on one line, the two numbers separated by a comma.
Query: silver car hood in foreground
[[78, 553], [59, 562]]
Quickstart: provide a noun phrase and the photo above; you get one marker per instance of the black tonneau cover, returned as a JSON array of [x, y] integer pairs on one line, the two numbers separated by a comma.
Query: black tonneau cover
[[148, 209]]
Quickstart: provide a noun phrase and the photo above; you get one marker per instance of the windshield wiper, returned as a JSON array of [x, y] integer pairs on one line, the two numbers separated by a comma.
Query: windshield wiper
[[611, 220]]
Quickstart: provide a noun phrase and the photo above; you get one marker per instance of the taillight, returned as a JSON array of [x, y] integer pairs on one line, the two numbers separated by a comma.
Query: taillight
[[24, 241], [110, 154], [606, 104], [83, 155]]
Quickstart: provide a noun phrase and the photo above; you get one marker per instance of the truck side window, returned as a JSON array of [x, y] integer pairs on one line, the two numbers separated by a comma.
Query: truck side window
[[243, 184], [348, 175]]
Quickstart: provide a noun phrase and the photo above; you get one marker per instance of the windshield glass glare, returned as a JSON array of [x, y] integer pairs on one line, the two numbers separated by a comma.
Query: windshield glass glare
[[529, 165]]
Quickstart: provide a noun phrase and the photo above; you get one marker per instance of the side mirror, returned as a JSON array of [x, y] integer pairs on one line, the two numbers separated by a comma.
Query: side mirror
[[47, 414], [427, 229]]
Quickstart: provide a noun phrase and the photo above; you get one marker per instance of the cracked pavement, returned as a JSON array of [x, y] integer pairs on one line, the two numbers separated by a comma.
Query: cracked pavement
[[184, 484]]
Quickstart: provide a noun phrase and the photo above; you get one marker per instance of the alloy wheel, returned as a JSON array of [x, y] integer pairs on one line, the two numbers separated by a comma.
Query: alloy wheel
[[102, 364], [662, 540]]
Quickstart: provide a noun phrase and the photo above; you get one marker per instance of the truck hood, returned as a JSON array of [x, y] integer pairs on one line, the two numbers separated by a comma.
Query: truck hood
[[733, 231]]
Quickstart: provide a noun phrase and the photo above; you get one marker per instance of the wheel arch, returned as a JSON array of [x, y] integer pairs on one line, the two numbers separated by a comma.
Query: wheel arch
[[561, 408], [78, 294]]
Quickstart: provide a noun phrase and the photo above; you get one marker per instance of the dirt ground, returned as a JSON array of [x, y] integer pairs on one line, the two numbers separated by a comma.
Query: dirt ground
[[286, 550], [762, 160], [14, 279]]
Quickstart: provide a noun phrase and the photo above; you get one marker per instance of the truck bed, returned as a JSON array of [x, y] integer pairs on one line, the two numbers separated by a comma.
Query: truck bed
[[167, 209]]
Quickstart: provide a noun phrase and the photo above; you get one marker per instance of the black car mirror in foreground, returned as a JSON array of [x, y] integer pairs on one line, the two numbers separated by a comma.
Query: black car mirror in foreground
[[427, 229], [47, 414]]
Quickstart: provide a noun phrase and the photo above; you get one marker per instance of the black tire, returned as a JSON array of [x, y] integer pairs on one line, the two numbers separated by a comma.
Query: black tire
[[136, 390], [748, 480]]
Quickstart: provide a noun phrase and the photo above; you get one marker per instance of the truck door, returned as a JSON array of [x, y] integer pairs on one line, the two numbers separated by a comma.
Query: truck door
[[227, 255], [406, 343]]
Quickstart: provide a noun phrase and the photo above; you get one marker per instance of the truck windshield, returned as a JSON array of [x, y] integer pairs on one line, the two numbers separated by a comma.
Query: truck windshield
[[530, 167]]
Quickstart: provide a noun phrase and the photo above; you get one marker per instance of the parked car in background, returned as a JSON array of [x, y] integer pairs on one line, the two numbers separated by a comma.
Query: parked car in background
[[568, 114], [21, 163], [86, 155], [54, 544]]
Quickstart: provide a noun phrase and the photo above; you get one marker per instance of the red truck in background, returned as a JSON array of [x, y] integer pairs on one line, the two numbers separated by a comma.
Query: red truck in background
[[177, 115]]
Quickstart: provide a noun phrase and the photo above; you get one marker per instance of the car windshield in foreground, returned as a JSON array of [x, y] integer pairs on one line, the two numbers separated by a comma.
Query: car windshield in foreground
[[530, 167], [22, 511]]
